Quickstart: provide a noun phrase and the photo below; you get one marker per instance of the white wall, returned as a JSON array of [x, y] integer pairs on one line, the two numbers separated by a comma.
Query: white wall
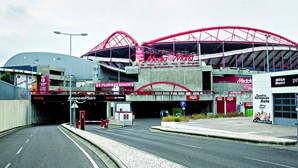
[[14, 113]]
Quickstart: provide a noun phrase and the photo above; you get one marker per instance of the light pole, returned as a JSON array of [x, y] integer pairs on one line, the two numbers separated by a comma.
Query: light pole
[[70, 95], [267, 55]]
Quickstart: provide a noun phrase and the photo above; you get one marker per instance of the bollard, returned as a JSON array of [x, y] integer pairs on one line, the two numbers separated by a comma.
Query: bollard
[[102, 123], [106, 123]]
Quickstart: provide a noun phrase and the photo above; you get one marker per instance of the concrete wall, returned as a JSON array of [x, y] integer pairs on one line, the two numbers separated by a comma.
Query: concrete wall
[[223, 88], [14, 113], [190, 77]]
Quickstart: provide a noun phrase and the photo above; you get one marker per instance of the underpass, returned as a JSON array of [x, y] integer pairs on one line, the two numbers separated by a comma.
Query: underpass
[[54, 109]]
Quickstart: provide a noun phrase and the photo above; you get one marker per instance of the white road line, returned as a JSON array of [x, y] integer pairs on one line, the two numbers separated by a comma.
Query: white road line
[[197, 147], [31, 135], [19, 150], [272, 163], [145, 137], [85, 153], [27, 141], [7, 166]]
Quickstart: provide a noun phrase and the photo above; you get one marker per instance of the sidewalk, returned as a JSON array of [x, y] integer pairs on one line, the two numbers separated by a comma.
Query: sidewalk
[[240, 128], [119, 152]]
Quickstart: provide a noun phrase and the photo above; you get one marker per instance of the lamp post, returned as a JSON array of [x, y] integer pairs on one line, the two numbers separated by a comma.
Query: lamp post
[[70, 38], [267, 55]]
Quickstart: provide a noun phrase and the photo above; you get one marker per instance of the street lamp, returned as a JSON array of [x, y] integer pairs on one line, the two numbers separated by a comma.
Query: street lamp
[[267, 55], [70, 95]]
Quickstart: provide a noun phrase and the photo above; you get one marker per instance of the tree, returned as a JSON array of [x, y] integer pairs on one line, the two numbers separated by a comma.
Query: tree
[[6, 76]]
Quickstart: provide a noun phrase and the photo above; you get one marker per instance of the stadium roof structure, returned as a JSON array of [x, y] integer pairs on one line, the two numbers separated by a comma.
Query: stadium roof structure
[[220, 47]]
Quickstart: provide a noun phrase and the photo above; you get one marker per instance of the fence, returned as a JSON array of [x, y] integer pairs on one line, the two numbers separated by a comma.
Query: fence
[[11, 92]]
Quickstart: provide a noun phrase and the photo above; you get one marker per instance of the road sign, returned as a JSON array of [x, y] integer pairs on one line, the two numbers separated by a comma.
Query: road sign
[[183, 103], [74, 105]]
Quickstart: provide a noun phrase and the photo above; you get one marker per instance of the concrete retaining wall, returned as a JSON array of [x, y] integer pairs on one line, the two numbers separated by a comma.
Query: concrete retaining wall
[[14, 113]]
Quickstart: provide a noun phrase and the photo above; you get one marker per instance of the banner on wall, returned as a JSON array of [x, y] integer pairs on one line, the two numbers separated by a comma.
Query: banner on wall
[[43, 85], [32, 83], [21, 80], [284, 81], [140, 55], [262, 108]]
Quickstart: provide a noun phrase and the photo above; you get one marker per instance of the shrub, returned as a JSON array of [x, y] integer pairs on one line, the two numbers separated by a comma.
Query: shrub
[[197, 116], [177, 119], [209, 116], [184, 119], [168, 119], [232, 115]]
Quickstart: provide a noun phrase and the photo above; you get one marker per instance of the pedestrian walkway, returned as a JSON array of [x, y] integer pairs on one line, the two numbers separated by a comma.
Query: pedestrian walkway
[[240, 128]]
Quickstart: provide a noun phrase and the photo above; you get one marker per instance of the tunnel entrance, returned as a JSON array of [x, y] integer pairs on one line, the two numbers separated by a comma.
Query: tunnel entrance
[[152, 109], [54, 109], [58, 112]]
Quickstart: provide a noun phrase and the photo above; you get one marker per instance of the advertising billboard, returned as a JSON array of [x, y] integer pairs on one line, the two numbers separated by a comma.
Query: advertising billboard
[[262, 107], [21, 80], [43, 85], [284, 81]]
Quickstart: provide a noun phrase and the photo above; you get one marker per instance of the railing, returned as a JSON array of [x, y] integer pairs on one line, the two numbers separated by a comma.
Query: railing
[[125, 92]]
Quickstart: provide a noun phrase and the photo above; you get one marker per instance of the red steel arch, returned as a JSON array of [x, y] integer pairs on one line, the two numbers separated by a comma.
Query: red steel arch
[[225, 34], [116, 39], [163, 83]]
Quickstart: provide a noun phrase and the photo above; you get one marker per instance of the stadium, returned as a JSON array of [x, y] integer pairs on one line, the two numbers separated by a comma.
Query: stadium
[[209, 69]]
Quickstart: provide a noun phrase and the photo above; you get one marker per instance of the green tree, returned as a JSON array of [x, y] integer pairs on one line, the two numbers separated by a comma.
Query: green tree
[[6, 76]]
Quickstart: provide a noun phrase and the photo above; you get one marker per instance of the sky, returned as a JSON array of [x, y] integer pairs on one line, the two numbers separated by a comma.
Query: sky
[[28, 25]]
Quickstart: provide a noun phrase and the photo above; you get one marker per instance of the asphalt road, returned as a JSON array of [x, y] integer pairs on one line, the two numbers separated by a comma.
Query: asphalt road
[[194, 151], [43, 146]]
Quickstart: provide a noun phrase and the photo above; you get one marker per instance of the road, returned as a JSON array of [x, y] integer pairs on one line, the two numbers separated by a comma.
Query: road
[[44, 146], [194, 151]]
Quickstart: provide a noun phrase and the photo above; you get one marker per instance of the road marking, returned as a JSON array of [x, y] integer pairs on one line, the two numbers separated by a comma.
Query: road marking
[[197, 147], [7, 166], [19, 150], [31, 135], [145, 137], [27, 141], [85, 153], [263, 161]]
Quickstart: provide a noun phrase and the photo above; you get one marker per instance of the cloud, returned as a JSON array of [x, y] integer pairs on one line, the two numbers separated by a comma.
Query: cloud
[[28, 25]]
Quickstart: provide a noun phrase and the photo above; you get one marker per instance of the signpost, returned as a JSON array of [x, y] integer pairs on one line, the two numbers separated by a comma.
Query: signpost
[[74, 106], [183, 106]]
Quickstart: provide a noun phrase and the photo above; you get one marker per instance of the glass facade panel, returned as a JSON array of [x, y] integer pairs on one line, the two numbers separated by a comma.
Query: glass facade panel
[[284, 105], [286, 115], [276, 114], [286, 108]]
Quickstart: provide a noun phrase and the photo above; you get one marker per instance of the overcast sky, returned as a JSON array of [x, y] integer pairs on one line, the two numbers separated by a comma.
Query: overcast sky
[[28, 25]]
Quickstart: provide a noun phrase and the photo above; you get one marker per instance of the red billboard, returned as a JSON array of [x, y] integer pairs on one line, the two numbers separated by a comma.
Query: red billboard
[[43, 85], [113, 84]]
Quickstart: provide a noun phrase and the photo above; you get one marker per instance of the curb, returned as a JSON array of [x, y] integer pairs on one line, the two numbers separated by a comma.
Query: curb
[[231, 136], [116, 160]]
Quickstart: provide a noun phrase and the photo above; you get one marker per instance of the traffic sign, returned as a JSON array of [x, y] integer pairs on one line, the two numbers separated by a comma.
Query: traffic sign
[[183, 103], [74, 105], [296, 99]]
